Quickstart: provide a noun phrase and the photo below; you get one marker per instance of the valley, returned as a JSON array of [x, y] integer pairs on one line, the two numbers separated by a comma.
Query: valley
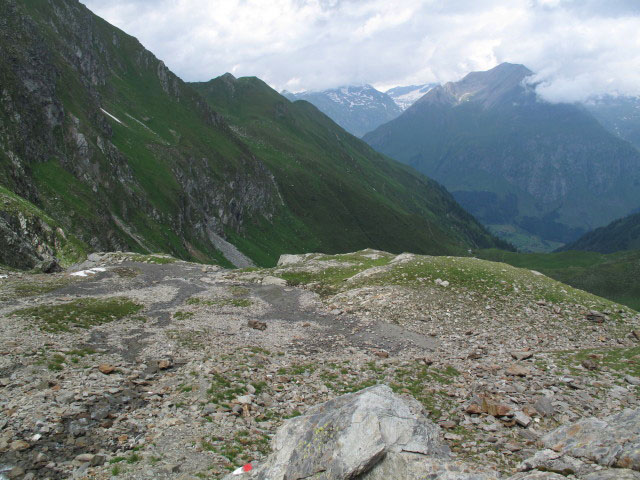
[[204, 278]]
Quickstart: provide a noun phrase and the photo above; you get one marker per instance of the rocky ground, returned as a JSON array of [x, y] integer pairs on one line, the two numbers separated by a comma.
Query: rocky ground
[[147, 367]]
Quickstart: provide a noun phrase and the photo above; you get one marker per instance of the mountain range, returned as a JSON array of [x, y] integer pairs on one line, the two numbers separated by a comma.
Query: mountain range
[[102, 147], [357, 109], [537, 173]]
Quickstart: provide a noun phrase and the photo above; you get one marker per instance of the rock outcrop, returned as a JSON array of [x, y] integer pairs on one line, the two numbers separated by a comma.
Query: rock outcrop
[[375, 434], [372, 434]]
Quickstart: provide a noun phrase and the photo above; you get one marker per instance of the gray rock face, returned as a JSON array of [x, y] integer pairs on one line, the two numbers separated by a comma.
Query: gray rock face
[[612, 441], [348, 436], [573, 449]]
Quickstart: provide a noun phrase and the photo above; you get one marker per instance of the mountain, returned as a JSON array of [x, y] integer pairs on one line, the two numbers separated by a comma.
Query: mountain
[[338, 189], [102, 145], [620, 115], [533, 171], [357, 109], [407, 96], [621, 234]]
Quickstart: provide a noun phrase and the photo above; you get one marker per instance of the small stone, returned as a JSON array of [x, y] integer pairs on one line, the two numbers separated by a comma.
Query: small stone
[[165, 364], [632, 380], [84, 458], [448, 424], [270, 280], [523, 355], [544, 406], [518, 371], [15, 472], [495, 409], [522, 419], [244, 400], [171, 468], [595, 317], [257, 324], [474, 409], [106, 368], [19, 445]]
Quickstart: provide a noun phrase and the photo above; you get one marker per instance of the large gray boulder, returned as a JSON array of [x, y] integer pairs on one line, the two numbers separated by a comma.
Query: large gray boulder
[[611, 442], [584, 447], [348, 436]]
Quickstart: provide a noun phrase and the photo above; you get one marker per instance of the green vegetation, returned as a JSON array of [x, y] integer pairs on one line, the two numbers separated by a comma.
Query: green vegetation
[[235, 449], [221, 302], [83, 313], [499, 281], [613, 276], [31, 286], [223, 390], [180, 315], [67, 248], [623, 361], [621, 234]]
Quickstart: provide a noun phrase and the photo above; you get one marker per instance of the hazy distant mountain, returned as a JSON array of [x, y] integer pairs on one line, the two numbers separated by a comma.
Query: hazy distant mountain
[[357, 109], [620, 115], [407, 96], [517, 163], [621, 234]]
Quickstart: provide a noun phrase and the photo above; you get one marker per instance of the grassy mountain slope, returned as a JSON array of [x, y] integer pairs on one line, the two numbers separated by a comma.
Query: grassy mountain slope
[[621, 234], [345, 193], [110, 143], [614, 276], [549, 170]]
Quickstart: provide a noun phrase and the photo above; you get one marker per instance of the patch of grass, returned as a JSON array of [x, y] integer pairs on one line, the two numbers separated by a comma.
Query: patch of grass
[[133, 458], [222, 389], [56, 362], [221, 302], [31, 287], [623, 361], [82, 313], [155, 259], [191, 339], [615, 276], [126, 272], [180, 315]]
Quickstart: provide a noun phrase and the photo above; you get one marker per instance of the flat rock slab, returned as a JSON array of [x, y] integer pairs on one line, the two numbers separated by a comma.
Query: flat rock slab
[[612, 441]]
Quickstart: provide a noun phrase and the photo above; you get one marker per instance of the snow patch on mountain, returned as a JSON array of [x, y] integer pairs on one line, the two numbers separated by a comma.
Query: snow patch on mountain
[[404, 97]]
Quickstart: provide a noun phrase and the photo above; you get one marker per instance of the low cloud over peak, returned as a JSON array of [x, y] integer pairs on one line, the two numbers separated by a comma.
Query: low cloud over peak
[[578, 48]]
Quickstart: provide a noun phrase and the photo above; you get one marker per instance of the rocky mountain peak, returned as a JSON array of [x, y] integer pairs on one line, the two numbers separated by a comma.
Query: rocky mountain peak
[[498, 85]]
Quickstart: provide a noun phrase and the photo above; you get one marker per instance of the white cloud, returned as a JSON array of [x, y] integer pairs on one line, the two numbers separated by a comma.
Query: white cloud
[[577, 47]]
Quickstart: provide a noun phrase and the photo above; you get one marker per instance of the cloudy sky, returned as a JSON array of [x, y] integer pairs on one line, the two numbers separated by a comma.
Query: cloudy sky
[[578, 48]]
